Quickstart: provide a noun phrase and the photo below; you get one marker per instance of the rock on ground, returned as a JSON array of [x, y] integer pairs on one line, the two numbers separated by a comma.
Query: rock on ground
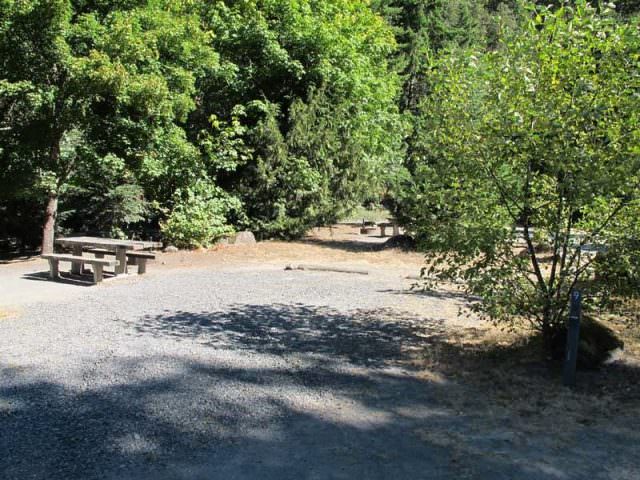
[[243, 238]]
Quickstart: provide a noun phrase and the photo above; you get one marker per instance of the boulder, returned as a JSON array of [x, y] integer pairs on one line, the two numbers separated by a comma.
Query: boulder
[[243, 238], [170, 249], [403, 242], [597, 343]]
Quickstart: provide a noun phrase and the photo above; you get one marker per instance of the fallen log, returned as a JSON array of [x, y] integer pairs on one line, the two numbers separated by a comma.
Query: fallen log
[[321, 268]]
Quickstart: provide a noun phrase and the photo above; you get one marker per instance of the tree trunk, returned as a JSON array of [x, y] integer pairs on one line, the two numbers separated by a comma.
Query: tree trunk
[[49, 226]]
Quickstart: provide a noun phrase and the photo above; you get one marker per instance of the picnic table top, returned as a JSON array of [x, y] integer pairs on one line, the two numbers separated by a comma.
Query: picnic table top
[[107, 243]]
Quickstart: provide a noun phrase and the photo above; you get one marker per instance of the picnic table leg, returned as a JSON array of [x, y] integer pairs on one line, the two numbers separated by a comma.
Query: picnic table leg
[[76, 267], [53, 268], [97, 274], [142, 265], [121, 257]]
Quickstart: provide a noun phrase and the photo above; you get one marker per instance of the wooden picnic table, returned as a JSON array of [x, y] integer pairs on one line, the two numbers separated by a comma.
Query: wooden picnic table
[[120, 247]]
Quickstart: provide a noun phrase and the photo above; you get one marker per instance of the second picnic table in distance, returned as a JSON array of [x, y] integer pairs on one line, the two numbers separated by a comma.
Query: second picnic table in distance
[[119, 247]]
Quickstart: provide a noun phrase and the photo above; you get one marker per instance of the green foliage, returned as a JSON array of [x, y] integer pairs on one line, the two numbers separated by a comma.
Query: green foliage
[[426, 30], [173, 90], [541, 133], [114, 80], [318, 100], [191, 118], [199, 216], [280, 189], [617, 270]]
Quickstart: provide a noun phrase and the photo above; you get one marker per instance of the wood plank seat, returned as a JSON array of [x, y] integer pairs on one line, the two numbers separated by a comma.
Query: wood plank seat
[[133, 258], [97, 264]]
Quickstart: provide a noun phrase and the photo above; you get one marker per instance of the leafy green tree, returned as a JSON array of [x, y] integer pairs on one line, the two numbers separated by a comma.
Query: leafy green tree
[[617, 270], [81, 84], [423, 28], [301, 77], [541, 133]]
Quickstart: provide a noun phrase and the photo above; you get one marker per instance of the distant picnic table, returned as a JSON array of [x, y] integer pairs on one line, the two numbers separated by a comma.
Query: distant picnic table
[[125, 252]]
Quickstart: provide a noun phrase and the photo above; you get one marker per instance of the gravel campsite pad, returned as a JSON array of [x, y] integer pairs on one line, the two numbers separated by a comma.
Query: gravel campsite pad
[[261, 373]]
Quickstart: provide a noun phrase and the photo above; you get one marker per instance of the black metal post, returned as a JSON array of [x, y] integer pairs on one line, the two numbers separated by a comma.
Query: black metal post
[[573, 339]]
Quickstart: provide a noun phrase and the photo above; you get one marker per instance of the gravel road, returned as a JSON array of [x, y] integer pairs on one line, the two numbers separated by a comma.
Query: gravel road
[[257, 373]]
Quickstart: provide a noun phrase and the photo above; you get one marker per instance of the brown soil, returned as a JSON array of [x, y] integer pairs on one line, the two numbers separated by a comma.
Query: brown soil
[[342, 244]]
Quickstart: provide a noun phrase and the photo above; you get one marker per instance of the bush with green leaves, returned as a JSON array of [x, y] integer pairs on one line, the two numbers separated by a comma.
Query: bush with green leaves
[[106, 80], [199, 216], [617, 269]]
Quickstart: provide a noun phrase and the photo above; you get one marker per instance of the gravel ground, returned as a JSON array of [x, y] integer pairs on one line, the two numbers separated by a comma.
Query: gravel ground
[[260, 373]]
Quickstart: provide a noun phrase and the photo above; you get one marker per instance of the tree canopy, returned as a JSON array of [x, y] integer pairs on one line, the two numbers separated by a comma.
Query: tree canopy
[[129, 111], [541, 133]]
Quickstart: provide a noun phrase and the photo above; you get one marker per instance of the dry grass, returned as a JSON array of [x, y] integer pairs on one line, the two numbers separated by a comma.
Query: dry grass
[[512, 380]]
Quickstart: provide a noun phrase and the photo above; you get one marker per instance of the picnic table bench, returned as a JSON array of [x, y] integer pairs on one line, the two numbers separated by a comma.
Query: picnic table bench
[[97, 264], [125, 251], [384, 225], [133, 258]]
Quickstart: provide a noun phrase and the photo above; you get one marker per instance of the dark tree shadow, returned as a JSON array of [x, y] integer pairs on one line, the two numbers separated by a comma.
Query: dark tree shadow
[[216, 421], [367, 337], [351, 246], [9, 257], [126, 432], [289, 392]]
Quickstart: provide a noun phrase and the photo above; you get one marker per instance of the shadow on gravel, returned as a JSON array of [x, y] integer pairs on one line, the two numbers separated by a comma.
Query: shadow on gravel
[[212, 422], [364, 337], [439, 294], [290, 392], [352, 246], [65, 277], [216, 423]]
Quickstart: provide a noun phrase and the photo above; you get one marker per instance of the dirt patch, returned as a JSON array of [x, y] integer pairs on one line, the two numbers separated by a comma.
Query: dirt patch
[[338, 244]]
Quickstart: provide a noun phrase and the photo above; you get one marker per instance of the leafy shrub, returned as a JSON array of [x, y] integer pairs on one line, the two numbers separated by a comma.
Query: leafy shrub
[[200, 216], [618, 270], [502, 144]]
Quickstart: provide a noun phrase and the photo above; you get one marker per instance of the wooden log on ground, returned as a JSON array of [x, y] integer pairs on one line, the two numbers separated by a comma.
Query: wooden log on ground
[[321, 268]]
